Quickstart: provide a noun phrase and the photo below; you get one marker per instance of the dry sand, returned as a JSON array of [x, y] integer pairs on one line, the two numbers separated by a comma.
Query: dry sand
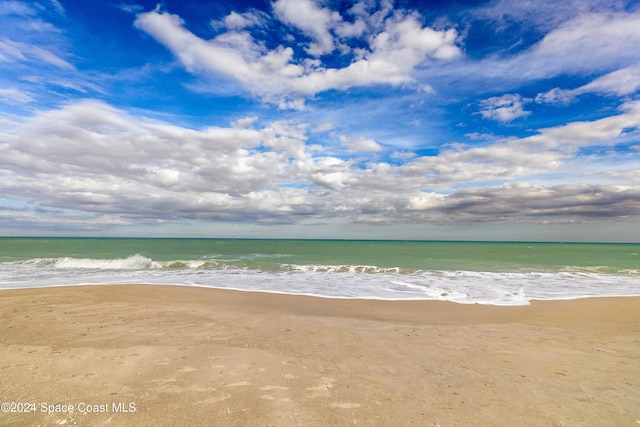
[[203, 357]]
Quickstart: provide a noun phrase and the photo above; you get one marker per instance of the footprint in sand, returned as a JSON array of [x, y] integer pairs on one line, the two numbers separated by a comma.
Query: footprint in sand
[[321, 387], [269, 397], [321, 390], [345, 405], [201, 389], [239, 384], [274, 388], [325, 386], [214, 399]]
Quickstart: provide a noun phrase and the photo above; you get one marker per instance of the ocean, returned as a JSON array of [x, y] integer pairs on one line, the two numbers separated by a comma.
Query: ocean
[[497, 273]]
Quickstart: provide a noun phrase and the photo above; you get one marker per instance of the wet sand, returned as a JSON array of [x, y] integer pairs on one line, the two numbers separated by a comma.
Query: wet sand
[[169, 355]]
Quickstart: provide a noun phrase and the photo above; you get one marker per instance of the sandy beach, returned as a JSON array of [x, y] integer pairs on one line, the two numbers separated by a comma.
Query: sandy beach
[[169, 355]]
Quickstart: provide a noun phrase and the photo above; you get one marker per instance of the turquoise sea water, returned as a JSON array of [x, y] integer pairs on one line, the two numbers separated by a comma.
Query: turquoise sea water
[[468, 272]]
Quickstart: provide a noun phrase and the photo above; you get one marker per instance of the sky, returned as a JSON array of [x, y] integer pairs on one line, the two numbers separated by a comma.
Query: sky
[[452, 119]]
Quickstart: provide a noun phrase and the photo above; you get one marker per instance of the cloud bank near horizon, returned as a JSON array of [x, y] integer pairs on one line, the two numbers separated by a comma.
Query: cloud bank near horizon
[[91, 157]]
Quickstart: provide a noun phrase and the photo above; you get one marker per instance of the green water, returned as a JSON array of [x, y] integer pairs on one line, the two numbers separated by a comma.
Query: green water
[[411, 255]]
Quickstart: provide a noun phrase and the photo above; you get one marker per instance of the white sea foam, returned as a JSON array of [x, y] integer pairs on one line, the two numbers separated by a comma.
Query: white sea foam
[[134, 262], [332, 281], [372, 269]]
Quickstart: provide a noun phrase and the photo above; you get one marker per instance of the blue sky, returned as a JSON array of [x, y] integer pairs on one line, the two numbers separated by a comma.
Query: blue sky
[[495, 120]]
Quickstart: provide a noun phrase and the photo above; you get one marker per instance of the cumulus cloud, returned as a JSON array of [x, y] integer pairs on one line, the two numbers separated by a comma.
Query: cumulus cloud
[[556, 96], [97, 161], [312, 20], [239, 21], [396, 45], [94, 158], [504, 108], [360, 144]]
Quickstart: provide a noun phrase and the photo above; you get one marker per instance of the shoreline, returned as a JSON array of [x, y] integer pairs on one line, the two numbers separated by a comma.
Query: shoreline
[[205, 355], [323, 297]]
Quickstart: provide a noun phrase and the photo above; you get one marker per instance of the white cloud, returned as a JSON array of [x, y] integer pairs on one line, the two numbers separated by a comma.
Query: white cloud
[[16, 8], [625, 81], [589, 42], [504, 108], [542, 14], [15, 96], [586, 43], [239, 21], [312, 20], [427, 89], [93, 158], [130, 8], [395, 50], [629, 175], [573, 136], [555, 96], [57, 6], [12, 51], [360, 144], [245, 122], [287, 137], [324, 127]]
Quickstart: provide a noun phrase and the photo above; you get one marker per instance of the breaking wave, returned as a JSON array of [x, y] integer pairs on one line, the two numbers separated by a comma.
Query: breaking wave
[[269, 274]]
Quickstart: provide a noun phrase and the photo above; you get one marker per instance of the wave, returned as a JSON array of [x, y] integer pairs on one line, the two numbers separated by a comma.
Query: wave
[[134, 262], [272, 264], [514, 287]]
